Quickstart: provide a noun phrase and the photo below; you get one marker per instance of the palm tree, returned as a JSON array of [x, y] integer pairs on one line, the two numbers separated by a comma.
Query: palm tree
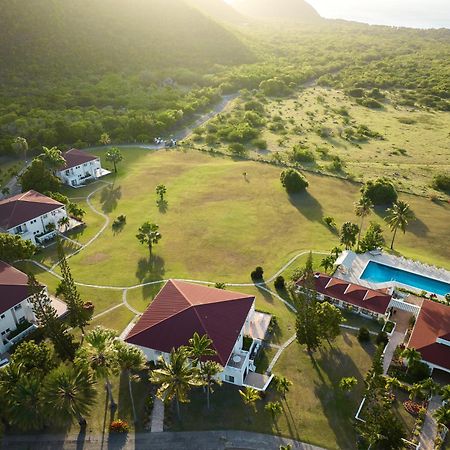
[[175, 377], [161, 190], [274, 408], [115, 156], [362, 209], [327, 263], [130, 359], [398, 217], [70, 393], [52, 158], [199, 347], [25, 404], [429, 388], [445, 393], [286, 447], [335, 252], [149, 235], [347, 384], [348, 234], [411, 356], [442, 415], [282, 385], [209, 371], [64, 222], [391, 383], [249, 396], [20, 145], [99, 353], [105, 139]]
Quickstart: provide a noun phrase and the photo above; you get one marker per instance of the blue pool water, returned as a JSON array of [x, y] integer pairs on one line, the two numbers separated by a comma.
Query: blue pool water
[[380, 273]]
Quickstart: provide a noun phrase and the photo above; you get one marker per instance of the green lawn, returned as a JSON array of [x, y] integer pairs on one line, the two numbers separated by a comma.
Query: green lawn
[[219, 226], [315, 410]]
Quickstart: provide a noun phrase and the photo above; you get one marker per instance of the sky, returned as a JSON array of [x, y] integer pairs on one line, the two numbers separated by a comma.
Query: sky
[[407, 13]]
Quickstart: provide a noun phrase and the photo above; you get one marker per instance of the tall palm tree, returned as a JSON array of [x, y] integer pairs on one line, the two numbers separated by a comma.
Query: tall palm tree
[[429, 387], [274, 408], [209, 371], [363, 207], [99, 353], [25, 404], [52, 158], [445, 393], [411, 356], [175, 377], [397, 217], [199, 347], [348, 234], [249, 396], [391, 383], [130, 359], [442, 415], [70, 393], [327, 263], [283, 384], [64, 222]]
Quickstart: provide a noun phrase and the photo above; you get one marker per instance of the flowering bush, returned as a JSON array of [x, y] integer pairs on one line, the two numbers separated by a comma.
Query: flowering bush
[[119, 426], [412, 407]]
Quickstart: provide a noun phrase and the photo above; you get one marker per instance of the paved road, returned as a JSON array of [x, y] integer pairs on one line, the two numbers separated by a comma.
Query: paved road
[[429, 429], [196, 440]]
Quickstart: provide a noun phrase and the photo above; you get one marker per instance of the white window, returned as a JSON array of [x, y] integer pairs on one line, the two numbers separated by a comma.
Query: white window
[[229, 378], [45, 216], [17, 307], [3, 333], [2, 316], [8, 330], [22, 320]]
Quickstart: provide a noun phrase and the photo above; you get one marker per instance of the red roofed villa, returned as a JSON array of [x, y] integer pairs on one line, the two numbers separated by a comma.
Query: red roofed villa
[[181, 309], [431, 335], [344, 294], [33, 216], [80, 168]]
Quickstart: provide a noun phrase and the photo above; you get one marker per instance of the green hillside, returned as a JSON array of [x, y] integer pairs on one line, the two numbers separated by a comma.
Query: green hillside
[[111, 34], [295, 10]]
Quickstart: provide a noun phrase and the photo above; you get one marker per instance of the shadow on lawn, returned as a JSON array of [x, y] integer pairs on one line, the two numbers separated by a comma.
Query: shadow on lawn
[[151, 269], [307, 205], [337, 406], [110, 197]]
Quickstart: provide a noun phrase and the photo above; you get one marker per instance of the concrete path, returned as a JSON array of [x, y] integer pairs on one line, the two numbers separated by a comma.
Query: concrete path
[[195, 440], [157, 422], [429, 429], [279, 352], [396, 339]]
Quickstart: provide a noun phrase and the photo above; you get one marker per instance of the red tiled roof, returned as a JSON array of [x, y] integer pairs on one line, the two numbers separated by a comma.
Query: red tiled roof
[[24, 207], [354, 294], [75, 157], [432, 323], [180, 309], [13, 287]]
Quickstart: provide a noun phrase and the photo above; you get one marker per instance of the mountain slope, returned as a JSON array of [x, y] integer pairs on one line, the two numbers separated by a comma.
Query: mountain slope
[[219, 10], [296, 10], [108, 34]]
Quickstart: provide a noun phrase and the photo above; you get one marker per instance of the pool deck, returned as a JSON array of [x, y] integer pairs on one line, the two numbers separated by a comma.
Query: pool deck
[[352, 266]]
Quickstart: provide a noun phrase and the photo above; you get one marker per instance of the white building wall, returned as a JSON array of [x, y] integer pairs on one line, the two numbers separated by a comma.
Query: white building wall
[[37, 226], [10, 319], [78, 174]]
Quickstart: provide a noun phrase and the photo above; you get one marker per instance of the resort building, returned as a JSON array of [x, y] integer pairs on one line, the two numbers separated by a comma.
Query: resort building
[[356, 298], [431, 335], [15, 308], [33, 216], [80, 168], [228, 318]]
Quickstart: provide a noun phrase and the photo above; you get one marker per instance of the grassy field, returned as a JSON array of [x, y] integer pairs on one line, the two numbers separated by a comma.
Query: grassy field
[[218, 225], [6, 165], [413, 147], [315, 410]]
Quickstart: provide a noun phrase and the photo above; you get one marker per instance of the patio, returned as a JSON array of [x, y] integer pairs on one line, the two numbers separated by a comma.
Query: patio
[[257, 381], [259, 325]]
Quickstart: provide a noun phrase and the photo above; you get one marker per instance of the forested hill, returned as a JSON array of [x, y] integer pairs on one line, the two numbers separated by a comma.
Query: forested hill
[[219, 10], [72, 35], [294, 10]]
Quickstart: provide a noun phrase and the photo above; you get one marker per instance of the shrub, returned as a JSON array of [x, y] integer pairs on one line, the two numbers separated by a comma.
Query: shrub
[[254, 105], [258, 273], [441, 182], [119, 426], [211, 139], [382, 338], [381, 191], [302, 155], [371, 103], [293, 181], [363, 334], [237, 149], [330, 222], [260, 144], [279, 283], [419, 371], [220, 285], [149, 401]]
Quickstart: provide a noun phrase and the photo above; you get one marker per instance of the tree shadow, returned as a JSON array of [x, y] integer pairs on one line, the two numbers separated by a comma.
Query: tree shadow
[[150, 269], [109, 198], [417, 227], [117, 227], [307, 205], [290, 420], [163, 206], [262, 286]]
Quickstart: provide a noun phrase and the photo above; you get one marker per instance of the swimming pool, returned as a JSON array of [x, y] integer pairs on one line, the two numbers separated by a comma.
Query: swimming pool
[[381, 273]]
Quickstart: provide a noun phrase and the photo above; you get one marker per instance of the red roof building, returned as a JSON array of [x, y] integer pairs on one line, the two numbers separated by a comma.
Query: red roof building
[[365, 299], [13, 287], [181, 309], [75, 157], [431, 335], [24, 207]]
